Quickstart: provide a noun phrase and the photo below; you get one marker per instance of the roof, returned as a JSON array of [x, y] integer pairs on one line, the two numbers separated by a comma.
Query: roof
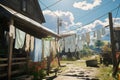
[[30, 26], [33, 8], [117, 28], [66, 35]]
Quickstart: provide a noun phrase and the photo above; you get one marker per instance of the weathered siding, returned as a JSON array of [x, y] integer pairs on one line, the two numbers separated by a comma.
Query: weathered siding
[[33, 9]]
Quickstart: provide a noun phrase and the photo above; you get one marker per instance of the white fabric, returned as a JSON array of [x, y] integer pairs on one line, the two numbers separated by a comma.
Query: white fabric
[[99, 34], [27, 45], [46, 48], [70, 43], [79, 44], [61, 45], [31, 43], [88, 37], [12, 29], [37, 52], [20, 38], [53, 47], [103, 31]]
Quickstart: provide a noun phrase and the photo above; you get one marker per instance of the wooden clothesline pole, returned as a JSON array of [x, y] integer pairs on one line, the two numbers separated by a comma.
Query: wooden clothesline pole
[[112, 44]]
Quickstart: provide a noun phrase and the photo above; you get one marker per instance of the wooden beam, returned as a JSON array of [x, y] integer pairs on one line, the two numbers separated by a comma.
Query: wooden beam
[[3, 74], [112, 42], [10, 48], [23, 58], [3, 65], [3, 59], [17, 63]]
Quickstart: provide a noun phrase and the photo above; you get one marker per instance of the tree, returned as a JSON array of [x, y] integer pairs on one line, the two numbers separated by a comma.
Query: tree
[[99, 43]]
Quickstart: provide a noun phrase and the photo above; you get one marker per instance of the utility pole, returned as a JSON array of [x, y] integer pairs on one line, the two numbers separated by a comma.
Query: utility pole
[[112, 43], [59, 23]]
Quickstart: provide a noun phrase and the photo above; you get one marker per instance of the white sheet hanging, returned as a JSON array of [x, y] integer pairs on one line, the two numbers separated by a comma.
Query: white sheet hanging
[[46, 48], [70, 43], [99, 34], [20, 39]]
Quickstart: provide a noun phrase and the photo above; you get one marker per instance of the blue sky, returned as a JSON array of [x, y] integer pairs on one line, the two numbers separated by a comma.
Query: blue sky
[[76, 14]]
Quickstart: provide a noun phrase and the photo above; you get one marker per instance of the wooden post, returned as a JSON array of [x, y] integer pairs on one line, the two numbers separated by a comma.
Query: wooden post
[[10, 48], [10, 58], [112, 42], [58, 26]]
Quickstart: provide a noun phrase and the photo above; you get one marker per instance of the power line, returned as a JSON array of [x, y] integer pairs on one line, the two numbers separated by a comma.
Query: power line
[[95, 19], [117, 11], [48, 8], [59, 20], [52, 4], [95, 10]]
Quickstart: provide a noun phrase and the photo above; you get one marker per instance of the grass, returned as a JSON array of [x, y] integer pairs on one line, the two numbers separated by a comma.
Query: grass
[[105, 73]]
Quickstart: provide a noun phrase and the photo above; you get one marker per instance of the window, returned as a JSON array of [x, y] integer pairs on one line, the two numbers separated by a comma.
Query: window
[[24, 5]]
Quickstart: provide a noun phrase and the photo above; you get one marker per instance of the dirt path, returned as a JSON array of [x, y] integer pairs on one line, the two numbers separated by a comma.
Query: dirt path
[[77, 70]]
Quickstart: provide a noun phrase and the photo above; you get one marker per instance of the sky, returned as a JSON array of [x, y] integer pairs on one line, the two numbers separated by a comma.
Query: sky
[[79, 16]]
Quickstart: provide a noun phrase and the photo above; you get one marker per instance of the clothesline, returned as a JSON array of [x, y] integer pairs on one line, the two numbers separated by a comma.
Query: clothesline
[[93, 30]]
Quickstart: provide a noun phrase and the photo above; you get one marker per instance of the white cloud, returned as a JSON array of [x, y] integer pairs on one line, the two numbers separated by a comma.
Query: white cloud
[[98, 24], [69, 24], [67, 20], [84, 5]]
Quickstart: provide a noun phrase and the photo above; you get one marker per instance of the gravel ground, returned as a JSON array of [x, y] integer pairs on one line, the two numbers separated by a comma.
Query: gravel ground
[[77, 72]]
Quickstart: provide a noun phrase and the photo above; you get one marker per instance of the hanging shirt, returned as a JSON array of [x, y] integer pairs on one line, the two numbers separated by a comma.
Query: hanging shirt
[[20, 39]]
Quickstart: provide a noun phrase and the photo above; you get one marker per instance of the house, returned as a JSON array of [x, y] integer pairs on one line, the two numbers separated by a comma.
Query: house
[[24, 16]]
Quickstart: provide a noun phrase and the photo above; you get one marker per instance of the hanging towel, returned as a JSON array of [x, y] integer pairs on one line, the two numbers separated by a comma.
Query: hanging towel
[[103, 31], [46, 48], [27, 42], [12, 29], [72, 43], [53, 48], [98, 34], [67, 44], [32, 43], [88, 37], [94, 34], [37, 52], [20, 38], [61, 45]]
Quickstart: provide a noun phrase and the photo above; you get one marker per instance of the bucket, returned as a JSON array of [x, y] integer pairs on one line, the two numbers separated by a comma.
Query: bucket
[[91, 63]]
